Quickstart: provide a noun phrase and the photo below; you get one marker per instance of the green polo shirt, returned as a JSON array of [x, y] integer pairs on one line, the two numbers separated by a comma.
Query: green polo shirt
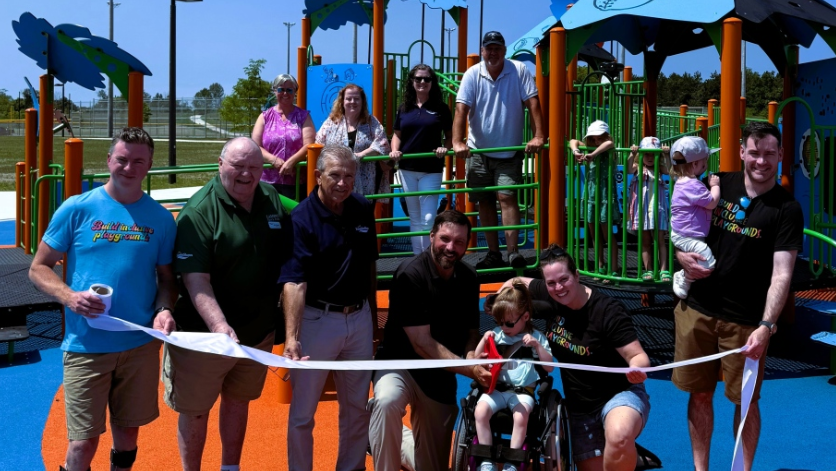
[[243, 253]]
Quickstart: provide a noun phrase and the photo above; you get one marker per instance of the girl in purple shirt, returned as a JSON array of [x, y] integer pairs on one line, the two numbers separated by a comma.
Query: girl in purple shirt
[[691, 204]]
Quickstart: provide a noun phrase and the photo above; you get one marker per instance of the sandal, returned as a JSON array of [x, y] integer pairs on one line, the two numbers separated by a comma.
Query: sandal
[[607, 281], [665, 276], [601, 270], [647, 275]]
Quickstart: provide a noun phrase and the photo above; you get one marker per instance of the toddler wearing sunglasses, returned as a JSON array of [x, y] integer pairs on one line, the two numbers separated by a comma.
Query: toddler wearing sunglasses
[[515, 338], [691, 204]]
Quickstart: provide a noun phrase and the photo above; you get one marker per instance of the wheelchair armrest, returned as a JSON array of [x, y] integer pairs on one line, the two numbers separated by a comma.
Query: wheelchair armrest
[[474, 384], [544, 386]]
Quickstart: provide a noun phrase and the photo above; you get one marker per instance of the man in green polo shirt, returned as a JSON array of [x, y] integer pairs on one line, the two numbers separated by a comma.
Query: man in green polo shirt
[[232, 240]]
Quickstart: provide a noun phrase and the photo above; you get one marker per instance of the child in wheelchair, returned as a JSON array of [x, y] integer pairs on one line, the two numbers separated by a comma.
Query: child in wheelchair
[[515, 338]]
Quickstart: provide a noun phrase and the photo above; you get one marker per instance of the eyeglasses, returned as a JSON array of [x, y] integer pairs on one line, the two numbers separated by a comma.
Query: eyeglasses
[[422, 79], [511, 325], [741, 214], [553, 252], [285, 90]]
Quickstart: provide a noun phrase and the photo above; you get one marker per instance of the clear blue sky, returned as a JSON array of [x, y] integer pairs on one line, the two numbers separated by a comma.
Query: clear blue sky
[[217, 38]]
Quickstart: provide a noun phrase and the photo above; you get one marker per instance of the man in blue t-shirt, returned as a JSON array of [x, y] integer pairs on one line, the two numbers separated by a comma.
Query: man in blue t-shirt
[[114, 235]]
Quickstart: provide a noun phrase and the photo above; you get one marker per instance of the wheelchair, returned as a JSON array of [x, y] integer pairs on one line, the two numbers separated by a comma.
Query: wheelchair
[[547, 444]]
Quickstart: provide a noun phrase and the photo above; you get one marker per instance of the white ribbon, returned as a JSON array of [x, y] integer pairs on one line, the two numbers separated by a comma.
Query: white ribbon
[[222, 344]]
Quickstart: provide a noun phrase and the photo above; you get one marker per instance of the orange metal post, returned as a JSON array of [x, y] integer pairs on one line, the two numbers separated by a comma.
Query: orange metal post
[[390, 97], [730, 95], [649, 112], [469, 206], [135, 99], [45, 150], [557, 137], [302, 77], [788, 115], [306, 32], [773, 111], [462, 41], [20, 170], [711, 104], [683, 111], [702, 125], [377, 60], [73, 164], [313, 155], [743, 111], [541, 205], [317, 59], [30, 158]]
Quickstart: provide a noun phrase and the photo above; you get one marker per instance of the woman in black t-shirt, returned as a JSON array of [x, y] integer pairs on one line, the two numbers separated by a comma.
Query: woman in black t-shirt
[[423, 124], [607, 411]]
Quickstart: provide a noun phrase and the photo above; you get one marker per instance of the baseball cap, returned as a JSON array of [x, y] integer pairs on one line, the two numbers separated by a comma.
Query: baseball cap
[[597, 128], [690, 149], [493, 37], [650, 142]]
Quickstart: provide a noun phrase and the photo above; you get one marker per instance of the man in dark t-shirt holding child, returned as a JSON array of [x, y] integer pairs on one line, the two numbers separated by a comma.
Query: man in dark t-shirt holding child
[[756, 233]]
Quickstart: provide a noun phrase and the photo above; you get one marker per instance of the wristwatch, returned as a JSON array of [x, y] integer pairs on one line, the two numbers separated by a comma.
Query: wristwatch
[[163, 308], [769, 325]]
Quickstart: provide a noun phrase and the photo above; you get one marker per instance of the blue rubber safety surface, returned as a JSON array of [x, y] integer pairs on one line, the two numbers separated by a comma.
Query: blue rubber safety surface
[[7, 232]]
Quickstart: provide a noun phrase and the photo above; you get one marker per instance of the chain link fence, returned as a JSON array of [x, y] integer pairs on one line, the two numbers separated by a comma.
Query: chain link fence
[[196, 118]]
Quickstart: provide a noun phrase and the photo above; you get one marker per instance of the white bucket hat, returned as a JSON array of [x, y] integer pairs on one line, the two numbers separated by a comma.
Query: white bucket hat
[[597, 128], [691, 149]]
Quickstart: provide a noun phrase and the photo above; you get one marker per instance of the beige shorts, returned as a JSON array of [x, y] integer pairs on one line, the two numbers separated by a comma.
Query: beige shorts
[[126, 382], [194, 380], [699, 335]]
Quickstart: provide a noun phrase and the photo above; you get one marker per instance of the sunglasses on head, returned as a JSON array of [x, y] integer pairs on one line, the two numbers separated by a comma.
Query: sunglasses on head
[[285, 90], [422, 79], [741, 214], [555, 252]]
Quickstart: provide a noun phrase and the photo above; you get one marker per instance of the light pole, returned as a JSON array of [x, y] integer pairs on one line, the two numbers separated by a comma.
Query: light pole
[[289, 25], [449, 30], [172, 89], [109, 81]]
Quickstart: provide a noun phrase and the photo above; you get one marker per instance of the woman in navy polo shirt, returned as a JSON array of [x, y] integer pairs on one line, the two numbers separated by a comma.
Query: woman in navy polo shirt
[[423, 124]]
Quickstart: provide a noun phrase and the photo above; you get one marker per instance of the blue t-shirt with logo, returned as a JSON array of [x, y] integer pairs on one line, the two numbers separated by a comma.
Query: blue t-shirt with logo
[[119, 245]]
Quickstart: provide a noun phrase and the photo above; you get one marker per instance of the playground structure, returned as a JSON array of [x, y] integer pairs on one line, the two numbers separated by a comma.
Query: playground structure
[[552, 192]]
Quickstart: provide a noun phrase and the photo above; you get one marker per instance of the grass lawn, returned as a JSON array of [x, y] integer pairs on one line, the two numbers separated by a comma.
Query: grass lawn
[[95, 155]]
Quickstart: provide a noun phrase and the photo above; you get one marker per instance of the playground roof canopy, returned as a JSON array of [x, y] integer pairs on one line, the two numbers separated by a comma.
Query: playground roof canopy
[[670, 27]]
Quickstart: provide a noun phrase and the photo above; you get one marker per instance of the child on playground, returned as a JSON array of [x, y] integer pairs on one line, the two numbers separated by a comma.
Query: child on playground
[[511, 308], [652, 213], [692, 204], [595, 187]]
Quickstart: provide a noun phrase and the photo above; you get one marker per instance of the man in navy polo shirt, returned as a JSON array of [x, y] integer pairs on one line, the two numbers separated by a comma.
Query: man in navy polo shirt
[[330, 307], [433, 314]]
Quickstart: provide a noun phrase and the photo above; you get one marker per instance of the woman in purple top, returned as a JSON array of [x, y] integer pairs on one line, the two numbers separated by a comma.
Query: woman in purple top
[[283, 132], [691, 204]]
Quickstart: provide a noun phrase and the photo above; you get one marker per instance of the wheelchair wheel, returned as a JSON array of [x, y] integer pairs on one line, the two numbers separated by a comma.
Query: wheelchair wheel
[[462, 461], [557, 450]]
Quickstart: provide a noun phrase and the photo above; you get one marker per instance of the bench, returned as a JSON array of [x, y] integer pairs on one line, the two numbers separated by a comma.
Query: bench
[[13, 329]]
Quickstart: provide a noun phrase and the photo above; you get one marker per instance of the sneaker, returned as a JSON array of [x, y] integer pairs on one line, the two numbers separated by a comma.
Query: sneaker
[[517, 260], [491, 260], [487, 466], [680, 285]]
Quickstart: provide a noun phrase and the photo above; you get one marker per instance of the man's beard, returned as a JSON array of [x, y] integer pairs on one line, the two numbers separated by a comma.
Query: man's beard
[[443, 261]]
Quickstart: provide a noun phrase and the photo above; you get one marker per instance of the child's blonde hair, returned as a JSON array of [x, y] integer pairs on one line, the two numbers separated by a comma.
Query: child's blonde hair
[[515, 299], [683, 169]]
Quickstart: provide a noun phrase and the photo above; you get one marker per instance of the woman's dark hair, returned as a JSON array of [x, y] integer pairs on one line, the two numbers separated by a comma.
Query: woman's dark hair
[[409, 96], [514, 300], [555, 253]]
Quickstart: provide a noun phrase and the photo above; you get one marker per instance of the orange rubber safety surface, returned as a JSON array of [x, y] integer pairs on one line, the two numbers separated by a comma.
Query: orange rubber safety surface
[[265, 446]]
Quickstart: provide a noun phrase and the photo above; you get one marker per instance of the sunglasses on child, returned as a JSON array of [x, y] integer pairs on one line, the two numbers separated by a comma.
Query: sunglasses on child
[[511, 325]]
